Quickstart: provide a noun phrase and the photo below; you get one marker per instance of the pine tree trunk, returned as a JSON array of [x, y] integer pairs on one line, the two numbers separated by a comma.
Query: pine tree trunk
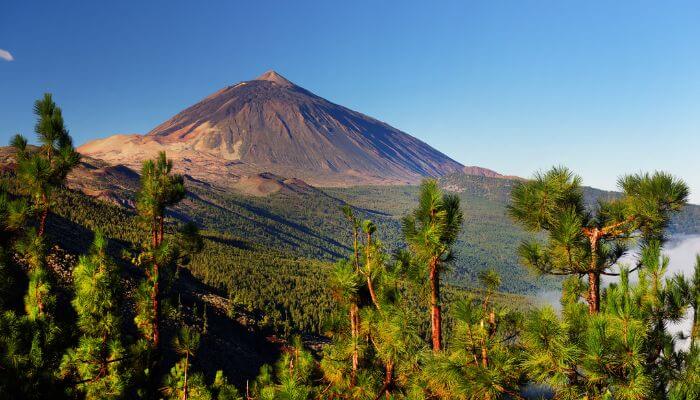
[[354, 330], [695, 330], [593, 293], [356, 248], [389, 379], [39, 300], [156, 306], [160, 230], [435, 309], [593, 274], [184, 392], [491, 331], [104, 355], [370, 285], [155, 292], [44, 214], [372, 293]]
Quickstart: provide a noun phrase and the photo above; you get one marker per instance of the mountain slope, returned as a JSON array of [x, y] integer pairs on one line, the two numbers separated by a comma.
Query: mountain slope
[[303, 221], [272, 125]]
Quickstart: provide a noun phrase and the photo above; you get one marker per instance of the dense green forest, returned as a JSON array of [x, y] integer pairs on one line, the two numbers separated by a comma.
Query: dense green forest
[[307, 223], [302, 221], [488, 240], [99, 301], [234, 268]]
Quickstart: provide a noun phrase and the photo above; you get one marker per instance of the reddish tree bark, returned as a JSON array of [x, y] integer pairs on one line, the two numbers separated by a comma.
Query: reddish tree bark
[[593, 293], [594, 236], [155, 291], [389, 379], [354, 330], [44, 214], [187, 361], [370, 285], [156, 306], [435, 308]]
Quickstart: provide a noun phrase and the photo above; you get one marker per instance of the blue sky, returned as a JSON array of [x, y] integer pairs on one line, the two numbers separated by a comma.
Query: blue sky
[[605, 88]]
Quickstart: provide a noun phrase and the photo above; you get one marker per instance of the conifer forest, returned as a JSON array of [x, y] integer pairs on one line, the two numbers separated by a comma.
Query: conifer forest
[[399, 292]]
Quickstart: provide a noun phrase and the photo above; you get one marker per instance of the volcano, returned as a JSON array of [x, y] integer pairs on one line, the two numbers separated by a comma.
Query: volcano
[[271, 125]]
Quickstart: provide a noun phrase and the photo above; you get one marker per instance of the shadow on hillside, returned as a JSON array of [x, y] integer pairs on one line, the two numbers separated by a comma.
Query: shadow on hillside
[[292, 238], [291, 224], [77, 239], [72, 237], [368, 211], [228, 345], [236, 349], [240, 244]]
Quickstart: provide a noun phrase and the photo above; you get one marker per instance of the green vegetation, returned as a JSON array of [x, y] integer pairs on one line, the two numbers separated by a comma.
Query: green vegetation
[[581, 241], [430, 231], [623, 350], [488, 238], [95, 365], [294, 222], [381, 321], [40, 172]]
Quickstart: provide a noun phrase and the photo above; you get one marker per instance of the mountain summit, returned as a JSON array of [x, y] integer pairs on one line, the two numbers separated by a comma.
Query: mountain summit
[[269, 124], [273, 76]]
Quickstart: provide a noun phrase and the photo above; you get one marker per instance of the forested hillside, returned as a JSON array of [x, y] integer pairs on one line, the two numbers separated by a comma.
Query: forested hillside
[[306, 222], [290, 301], [251, 296], [230, 303], [156, 285]]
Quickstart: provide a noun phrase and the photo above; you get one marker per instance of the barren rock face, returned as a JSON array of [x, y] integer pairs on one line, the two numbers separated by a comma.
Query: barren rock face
[[271, 125]]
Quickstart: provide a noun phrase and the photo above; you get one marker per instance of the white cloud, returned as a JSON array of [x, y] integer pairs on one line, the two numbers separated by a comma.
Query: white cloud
[[5, 55]]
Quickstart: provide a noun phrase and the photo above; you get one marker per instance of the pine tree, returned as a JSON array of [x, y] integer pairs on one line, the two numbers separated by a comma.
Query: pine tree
[[585, 242], [625, 351], [685, 383], [291, 378], [373, 260], [13, 215], [160, 257], [223, 390], [31, 343], [180, 384], [173, 385], [366, 287], [159, 189], [483, 361], [346, 288], [396, 343], [39, 298], [41, 172], [694, 298], [661, 301], [96, 366], [345, 284], [388, 322], [430, 232]]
